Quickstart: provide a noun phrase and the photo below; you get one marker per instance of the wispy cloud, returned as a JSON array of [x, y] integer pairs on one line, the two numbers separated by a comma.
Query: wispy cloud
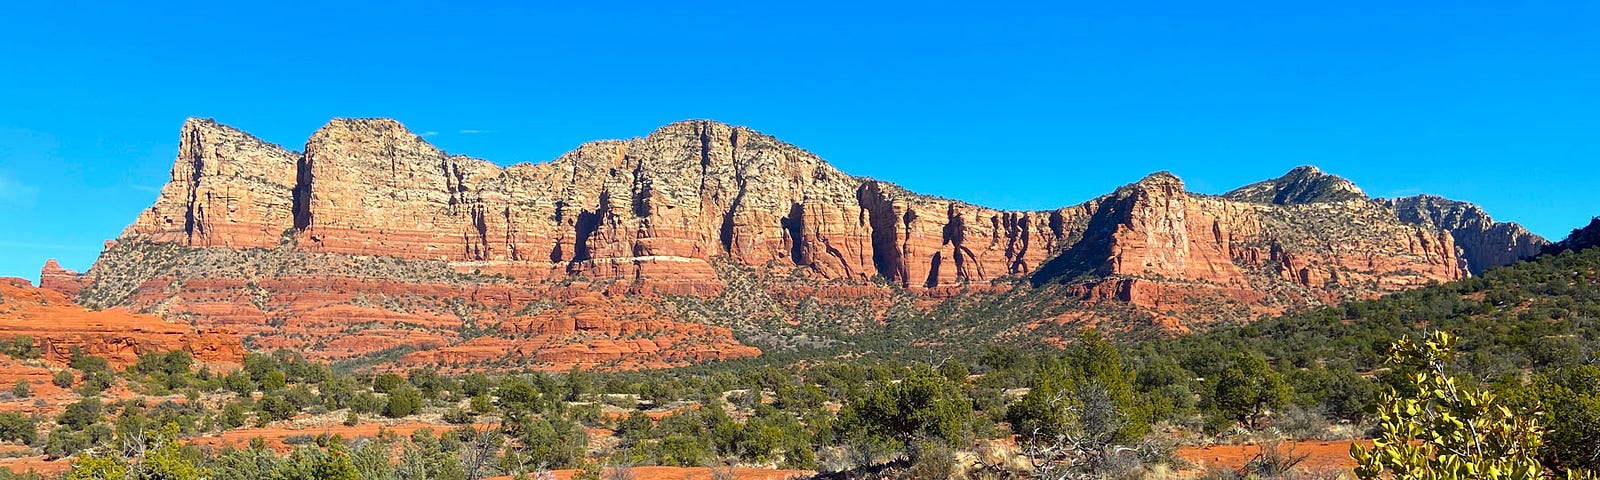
[[428, 133], [145, 188], [1404, 192], [471, 132], [15, 192], [50, 246]]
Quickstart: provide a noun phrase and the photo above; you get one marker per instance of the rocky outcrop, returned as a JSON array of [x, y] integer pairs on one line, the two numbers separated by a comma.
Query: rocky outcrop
[[1581, 238], [373, 240], [1154, 244], [1483, 242], [1304, 184], [228, 189], [592, 330], [58, 327], [650, 208], [60, 280]]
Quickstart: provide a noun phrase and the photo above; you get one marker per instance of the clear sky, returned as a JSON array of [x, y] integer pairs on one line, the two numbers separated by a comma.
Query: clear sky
[[1010, 105]]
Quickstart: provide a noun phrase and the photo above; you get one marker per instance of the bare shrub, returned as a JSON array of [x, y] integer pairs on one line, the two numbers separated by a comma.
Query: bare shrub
[[723, 470], [619, 469], [1302, 424], [1275, 461], [934, 460]]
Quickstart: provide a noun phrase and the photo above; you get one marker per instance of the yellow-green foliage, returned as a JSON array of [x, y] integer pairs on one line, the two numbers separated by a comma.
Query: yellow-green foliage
[[95, 468], [1448, 431], [163, 459]]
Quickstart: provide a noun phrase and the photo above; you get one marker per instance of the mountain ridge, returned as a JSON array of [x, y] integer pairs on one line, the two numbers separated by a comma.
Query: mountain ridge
[[650, 216]]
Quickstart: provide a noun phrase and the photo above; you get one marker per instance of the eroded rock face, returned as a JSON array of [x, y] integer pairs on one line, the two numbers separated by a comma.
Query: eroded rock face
[[228, 189], [63, 281], [58, 326], [1305, 184], [1484, 242], [372, 226], [1154, 244], [649, 208]]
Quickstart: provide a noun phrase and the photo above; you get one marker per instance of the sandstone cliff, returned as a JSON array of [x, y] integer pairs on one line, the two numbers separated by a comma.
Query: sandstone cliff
[[66, 282], [649, 208], [58, 326], [227, 189], [1307, 238], [1484, 242], [373, 234]]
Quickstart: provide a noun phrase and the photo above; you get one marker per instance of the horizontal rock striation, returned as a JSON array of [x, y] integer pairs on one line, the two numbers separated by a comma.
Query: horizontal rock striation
[[250, 234], [650, 208], [61, 280], [58, 327], [1154, 244]]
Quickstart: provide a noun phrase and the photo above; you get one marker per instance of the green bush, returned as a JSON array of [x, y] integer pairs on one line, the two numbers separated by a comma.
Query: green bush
[[62, 379], [21, 348], [403, 401], [1248, 390], [276, 407], [16, 427], [384, 383], [923, 406], [1447, 430]]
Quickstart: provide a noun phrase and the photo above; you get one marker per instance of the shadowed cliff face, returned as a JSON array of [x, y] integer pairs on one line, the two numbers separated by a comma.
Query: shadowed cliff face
[[1581, 238], [653, 215], [1484, 242]]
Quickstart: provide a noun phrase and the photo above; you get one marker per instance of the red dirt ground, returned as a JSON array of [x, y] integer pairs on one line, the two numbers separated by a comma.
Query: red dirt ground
[[274, 435], [37, 464], [1323, 455], [691, 473]]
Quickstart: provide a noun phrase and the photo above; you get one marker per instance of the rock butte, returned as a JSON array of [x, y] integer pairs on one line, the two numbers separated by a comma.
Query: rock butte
[[372, 239]]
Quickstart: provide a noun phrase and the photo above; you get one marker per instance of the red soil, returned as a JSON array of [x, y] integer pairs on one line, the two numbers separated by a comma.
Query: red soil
[[1322, 455], [692, 473], [58, 326], [274, 436]]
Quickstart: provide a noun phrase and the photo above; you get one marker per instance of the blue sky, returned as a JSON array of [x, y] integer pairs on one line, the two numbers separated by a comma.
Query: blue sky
[[1012, 105]]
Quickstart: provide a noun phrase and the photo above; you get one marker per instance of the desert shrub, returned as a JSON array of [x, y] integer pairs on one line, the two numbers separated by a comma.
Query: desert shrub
[[1247, 391], [1301, 424], [386, 382], [63, 442], [923, 406], [1274, 461], [79, 415], [21, 348], [234, 415], [457, 416], [62, 379], [403, 401], [16, 427], [276, 407], [1448, 430], [934, 460]]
